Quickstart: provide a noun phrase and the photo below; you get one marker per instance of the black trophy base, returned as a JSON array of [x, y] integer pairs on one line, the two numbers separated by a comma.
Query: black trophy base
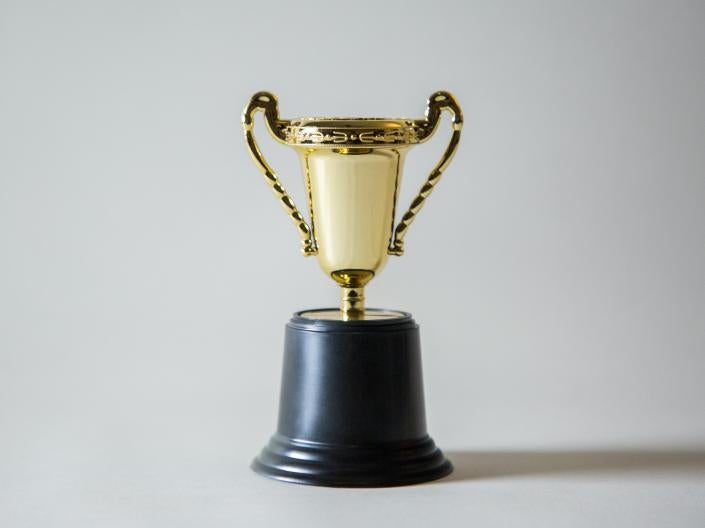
[[351, 412], [350, 466]]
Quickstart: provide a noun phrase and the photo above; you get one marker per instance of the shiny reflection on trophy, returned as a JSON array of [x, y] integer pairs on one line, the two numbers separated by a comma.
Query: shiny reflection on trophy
[[351, 410]]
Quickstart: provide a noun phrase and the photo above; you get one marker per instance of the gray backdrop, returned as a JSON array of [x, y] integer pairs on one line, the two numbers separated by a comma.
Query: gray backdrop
[[557, 272]]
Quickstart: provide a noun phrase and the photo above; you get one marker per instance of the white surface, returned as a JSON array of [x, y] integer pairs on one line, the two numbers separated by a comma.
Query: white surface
[[146, 272], [500, 489]]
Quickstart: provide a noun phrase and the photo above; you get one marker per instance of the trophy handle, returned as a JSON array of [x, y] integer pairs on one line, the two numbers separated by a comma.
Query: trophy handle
[[438, 102], [267, 103]]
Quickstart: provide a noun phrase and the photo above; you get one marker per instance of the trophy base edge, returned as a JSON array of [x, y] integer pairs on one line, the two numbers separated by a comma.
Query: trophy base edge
[[345, 466]]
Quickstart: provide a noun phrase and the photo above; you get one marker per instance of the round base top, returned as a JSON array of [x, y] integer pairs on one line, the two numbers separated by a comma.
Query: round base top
[[335, 314]]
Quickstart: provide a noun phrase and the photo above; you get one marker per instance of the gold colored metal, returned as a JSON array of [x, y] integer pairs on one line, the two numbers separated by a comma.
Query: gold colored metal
[[352, 168], [352, 302], [267, 103], [352, 198], [438, 102]]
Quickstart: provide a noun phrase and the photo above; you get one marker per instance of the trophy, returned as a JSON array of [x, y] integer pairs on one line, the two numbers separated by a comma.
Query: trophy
[[351, 411]]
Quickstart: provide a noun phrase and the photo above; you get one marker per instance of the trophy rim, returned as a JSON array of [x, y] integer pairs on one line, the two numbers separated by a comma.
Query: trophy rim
[[355, 131], [330, 121]]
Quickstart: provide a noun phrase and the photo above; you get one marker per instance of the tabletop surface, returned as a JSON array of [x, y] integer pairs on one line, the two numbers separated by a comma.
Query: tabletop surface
[[507, 488]]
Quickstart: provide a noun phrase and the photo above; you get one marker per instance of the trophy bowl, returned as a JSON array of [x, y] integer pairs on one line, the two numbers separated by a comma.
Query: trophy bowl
[[352, 411]]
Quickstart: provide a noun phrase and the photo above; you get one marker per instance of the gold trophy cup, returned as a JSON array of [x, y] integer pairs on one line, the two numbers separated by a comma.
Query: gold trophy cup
[[352, 170]]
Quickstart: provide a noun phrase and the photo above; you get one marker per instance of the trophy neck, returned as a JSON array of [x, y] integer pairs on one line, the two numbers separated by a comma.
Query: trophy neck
[[352, 303]]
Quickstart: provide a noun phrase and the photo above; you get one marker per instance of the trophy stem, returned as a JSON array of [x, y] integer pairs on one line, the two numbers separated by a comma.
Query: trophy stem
[[352, 302]]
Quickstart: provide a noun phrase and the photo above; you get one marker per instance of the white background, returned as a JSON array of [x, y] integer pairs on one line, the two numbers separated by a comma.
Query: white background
[[557, 272]]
